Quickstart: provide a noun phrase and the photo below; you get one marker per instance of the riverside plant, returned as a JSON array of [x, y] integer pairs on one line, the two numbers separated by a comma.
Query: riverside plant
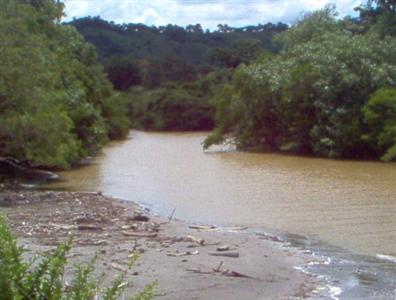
[[20, 280]]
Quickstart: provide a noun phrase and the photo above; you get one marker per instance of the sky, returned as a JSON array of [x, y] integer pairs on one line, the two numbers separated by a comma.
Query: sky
[[208, 13]]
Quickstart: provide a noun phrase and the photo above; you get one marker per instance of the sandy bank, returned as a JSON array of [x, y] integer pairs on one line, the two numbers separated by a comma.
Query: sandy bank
[[178, 256]]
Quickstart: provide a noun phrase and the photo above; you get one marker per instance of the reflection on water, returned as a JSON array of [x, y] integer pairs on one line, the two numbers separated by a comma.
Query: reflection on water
[[350, 204]]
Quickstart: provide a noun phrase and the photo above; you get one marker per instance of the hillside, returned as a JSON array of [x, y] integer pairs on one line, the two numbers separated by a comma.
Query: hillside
[[191, 44]]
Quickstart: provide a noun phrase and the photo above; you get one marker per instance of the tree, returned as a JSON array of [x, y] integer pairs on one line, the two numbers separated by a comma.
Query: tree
[[387, 5], [309, 98], [52, 90]]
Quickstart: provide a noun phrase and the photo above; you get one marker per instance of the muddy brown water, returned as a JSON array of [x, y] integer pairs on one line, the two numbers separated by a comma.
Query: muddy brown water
[[351, 204]]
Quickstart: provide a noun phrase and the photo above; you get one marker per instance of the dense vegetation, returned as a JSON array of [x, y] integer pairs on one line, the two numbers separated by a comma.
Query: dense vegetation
[[20, 281], [169, 74], [331, 91], [56, 104]]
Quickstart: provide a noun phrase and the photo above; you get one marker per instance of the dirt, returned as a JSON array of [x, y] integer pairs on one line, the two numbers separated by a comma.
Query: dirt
[[201, 262]]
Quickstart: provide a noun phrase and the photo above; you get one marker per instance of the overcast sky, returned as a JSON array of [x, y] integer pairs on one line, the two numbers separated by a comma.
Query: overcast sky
[[208, 13]]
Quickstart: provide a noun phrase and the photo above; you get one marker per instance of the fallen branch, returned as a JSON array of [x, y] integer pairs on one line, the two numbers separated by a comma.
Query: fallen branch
[[226, 254]]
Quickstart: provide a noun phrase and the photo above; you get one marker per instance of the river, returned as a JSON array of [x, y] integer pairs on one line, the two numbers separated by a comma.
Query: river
[[344, 211], [348, 203]]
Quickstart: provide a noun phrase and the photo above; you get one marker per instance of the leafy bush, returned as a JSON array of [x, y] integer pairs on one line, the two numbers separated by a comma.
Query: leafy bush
[[20, 280]]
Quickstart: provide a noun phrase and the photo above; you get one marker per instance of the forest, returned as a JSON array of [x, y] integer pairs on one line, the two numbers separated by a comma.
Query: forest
[[326, 86], [171, 72]]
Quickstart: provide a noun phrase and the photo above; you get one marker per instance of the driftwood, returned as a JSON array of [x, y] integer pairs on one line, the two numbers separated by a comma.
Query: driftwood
[[223, 248], [226, 254], [237, 228], [194, 239], [202, 227], [139, 234], [183, 253]]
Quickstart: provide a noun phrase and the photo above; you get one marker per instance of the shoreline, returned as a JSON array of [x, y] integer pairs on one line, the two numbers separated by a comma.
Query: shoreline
[[184, 259]]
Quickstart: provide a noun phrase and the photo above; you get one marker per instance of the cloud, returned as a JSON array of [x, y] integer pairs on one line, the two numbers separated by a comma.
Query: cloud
[[208, 13]]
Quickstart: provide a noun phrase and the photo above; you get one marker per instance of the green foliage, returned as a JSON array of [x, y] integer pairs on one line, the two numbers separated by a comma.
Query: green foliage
[[380, 117], [309, 97], [53, 94], [19, 280]]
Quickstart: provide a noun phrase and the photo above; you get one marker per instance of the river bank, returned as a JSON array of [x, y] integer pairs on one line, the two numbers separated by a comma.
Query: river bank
[[183, 258]]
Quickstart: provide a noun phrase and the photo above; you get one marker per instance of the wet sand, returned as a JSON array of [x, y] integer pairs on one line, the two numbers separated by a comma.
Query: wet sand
[[172, 253]]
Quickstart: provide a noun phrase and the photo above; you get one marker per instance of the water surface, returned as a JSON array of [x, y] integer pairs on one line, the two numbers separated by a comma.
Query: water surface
[[350, 204]]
